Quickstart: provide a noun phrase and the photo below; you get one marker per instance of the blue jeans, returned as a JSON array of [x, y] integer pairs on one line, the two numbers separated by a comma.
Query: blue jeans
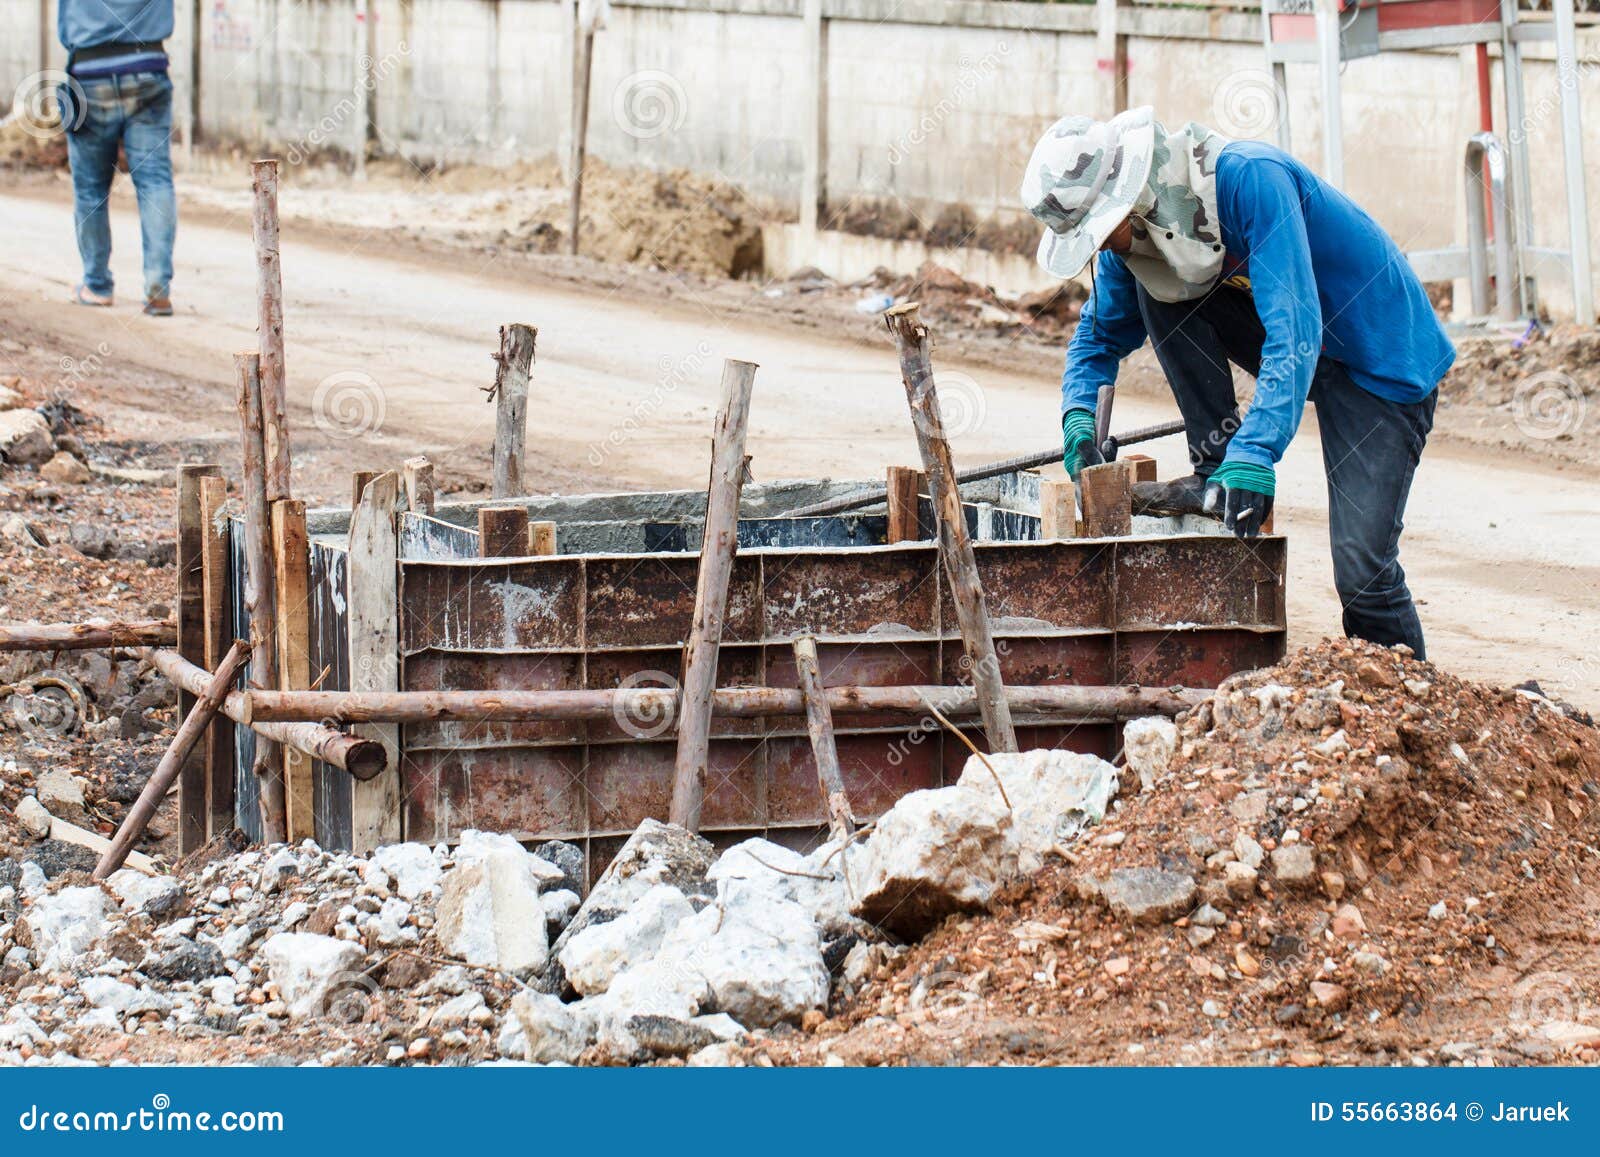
[[134, 110], [1370, 449]]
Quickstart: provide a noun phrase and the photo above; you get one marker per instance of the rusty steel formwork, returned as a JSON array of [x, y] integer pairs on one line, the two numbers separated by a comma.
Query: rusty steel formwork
[[1177, 603]]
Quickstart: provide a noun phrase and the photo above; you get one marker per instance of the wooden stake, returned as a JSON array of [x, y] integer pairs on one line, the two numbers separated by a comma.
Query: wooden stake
[[960, 564], [1144, 467], [155, 789], [358, 483], [819, 723], [220, 750], [1107, 499], [260, 587], [191, 642], [269, 324], [1058, 508], [512, 365], [291, 566], [905, 489], [583, 49], [374, 618], [502, 531], [94, 635], [418, 480], [541, 538], [717, 548]]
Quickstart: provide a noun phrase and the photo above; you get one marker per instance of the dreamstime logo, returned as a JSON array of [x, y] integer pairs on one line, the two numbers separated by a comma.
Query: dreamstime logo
[[353, 998], [649, 103], [1543, 997], [348, 404], [674, 373], [1247, 103], [646, 717], [963, 406], [36, 104], [50, 703], [1549, 405]]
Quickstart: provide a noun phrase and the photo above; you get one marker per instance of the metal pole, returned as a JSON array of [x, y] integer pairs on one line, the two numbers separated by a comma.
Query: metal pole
[[1329, 57], [1572, 157]]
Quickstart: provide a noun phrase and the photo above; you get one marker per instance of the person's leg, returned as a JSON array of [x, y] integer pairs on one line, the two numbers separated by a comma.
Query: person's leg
[[92, 153], [1194, 341], [147, 139], [1370, 448]]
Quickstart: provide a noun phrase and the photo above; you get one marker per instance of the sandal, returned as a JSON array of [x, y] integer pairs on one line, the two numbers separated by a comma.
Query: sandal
[[83, 295]]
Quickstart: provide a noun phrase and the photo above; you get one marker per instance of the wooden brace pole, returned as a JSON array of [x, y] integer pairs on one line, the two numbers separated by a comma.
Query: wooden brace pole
[[96, 634], [960, 564], [717, 548], [513, 364], [819, 723], [269, 324]]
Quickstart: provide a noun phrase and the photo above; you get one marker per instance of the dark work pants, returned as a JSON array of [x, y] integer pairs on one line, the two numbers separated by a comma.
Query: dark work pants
[[1370, 448]]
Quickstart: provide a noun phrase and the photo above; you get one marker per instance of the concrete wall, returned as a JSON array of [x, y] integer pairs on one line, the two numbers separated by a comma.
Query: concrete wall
[[927, 101]]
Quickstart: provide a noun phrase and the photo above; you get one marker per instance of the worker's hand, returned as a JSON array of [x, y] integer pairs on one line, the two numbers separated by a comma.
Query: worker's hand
[[1077, 442], [1240, 493]]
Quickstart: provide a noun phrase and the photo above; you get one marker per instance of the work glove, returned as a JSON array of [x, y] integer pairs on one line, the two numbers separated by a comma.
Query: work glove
[[1077, 442], [1240, 493]]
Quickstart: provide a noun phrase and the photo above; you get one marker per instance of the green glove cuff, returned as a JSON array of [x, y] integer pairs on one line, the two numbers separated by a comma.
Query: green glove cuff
[[1076, 426], [1246, 476]]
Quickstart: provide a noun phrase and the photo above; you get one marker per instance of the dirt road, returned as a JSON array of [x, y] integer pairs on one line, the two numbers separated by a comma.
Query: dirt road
[[387, 350]]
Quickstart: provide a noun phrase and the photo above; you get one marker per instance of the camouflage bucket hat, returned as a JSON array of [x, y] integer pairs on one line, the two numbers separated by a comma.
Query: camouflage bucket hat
[[1083, 179]]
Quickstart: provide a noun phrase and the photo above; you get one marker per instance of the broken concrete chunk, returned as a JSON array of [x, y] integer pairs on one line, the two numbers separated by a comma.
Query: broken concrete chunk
[[1295, 866], [1054, 796], [310, 970], [596, 955], [25, 438], [1148, 745], [153, 895], [65, 925], [552, 1032], [815, 882], [934, 853], [33, 817], [1148, 895], [476, 847], [490, 914], [413, 868], [1240, 879]]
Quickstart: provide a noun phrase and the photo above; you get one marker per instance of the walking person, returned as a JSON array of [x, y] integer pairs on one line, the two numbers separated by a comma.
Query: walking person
[[118, 94]]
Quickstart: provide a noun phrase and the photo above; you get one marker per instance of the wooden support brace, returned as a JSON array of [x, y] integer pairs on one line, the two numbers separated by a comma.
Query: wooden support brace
[[905, 485], [717, 548], [960, 564], [503, 531], [269, 325], [819, 724], [218, 625], [418, 480], [1107, 499], [191, 641], [1058, 508], [374, 620], [542, 538], [291, 567], [513, 364], [93, 635]]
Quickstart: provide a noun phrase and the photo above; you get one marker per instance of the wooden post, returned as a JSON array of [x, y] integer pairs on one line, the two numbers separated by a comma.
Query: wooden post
[[1111, 59], [291, 566], [583, 48], [260, 586], [960, 564], [418, 480], [1107, 499], [814, 117], [1144, 467], [502, 531], [542, 538], [513, 363], [358, 483], [819, 723], [717, 548], [374, 618], [96, 634], [1058, 508], [905, 489], [219, 760], [269, 323], [191, 641], [155, 788]]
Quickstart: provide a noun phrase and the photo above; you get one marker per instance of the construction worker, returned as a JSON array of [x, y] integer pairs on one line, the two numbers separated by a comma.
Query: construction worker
[[117, 93], [1223, 251]]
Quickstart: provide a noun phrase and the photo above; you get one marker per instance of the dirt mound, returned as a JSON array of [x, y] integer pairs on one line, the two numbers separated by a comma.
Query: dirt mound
[[950, 300], [1375, 850], [32, 141], [1547, 382]]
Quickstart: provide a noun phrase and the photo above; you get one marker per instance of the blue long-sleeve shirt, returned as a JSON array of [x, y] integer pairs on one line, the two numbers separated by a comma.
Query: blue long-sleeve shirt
[[90, 23], [1326, 279]]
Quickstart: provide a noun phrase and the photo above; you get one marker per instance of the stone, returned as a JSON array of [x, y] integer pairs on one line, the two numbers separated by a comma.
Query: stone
[[1148, 895], [1148, 745], [10, 399], [1247, 851], [721, 1026], [1249, 807], [1347, 923], [934, 853], [553, 1033], [1240, 880], [310, 970], [25, 438], [815, 882], [1208, 917], [1439, 911], [666, 1037], [558, 906], [1326, 994], [489, 913], [152, 895], [467, 1009], [1295, 866], [1570, 1033], [64, 469], [187, 960], [65, 925], [512, 1041], [1055, 795], [414, 870], [109, 993], [17, 529], [1333, 885], [722, 1055], [476, 847], [59, 789], [93, 540], [567, 857], [596, 955], [1336, 744], [33, 817]]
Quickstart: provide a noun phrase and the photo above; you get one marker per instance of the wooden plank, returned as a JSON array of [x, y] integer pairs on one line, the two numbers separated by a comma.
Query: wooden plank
[[358, 483], [819, 725], [960, 564], [1058, 508], [191, 641], [502, 531], [260, 587], [220, 754], [513, 364], [1107, 499], [418, 482], [372, 597], [1144, 467], [717, 548], [291, 569], [541, 538], [269, 326], [905, 486]]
